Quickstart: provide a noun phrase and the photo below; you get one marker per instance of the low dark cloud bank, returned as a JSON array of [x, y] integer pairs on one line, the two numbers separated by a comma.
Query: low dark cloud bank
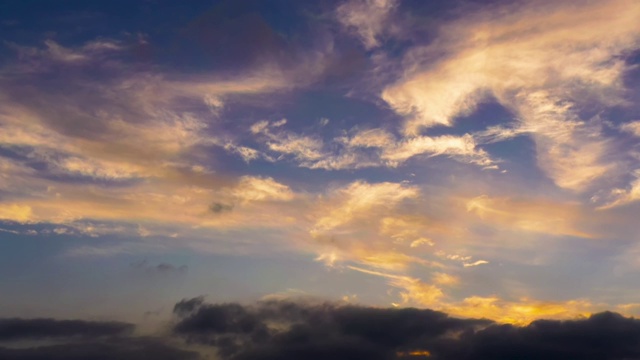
[[19, 329], [286, 330], [113, 349], [82, 340]]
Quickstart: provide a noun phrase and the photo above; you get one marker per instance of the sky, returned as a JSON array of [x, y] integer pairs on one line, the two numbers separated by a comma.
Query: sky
[[475, 164]]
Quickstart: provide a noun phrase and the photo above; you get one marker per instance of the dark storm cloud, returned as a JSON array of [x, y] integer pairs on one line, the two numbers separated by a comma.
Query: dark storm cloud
[[17, 329], [602, 336], [284, 330], [121, 349], [288, 330]]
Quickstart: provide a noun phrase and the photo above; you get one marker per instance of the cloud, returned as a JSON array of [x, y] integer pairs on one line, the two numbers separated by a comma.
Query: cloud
[[305, 149], [217, 207], [161, 268], [361, 198], [117, 144], [375, 138], [16, 212], [458, 147], [445, 279], [519, 58], [251, 188], [39, 59], [118, 148], [619, 197], [530, 215], [367, 19], [413, 290], [475, 263], [17, 329], [521, 311], [313, 329], [83, 340], [285, 329], [352, 223], [632, 128], [365, 148], [114, 349]]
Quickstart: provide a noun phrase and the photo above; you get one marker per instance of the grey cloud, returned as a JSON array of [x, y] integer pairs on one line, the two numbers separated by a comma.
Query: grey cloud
[[162, 268], [292, 330], [52, 339], [218, 208], [282, 329], [311, 331], [118, 349], [16, 328]]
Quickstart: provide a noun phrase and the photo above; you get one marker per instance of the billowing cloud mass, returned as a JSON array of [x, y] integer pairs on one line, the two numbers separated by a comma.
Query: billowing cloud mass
[[477, 159], [285, 329], [290, 330]]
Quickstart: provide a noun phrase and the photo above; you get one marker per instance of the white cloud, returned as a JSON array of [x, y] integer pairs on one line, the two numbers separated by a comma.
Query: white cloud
[[367, 19], [619, 197], [632, 128], [475, 263], [261, 189], [537, 60], [460, 147]]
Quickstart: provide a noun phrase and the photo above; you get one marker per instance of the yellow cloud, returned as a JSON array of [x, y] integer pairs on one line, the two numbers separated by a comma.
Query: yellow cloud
[[412, 290], [361, 199], [520, 312], [252, 188], [445, 279], [15, 212], [529, 215]]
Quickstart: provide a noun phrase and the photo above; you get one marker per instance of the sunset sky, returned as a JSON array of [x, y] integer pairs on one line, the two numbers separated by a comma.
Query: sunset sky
[[477, 158]]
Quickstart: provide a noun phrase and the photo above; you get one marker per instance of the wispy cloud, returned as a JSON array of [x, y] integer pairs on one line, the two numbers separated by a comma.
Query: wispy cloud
[[519, 57], [367, 19]]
